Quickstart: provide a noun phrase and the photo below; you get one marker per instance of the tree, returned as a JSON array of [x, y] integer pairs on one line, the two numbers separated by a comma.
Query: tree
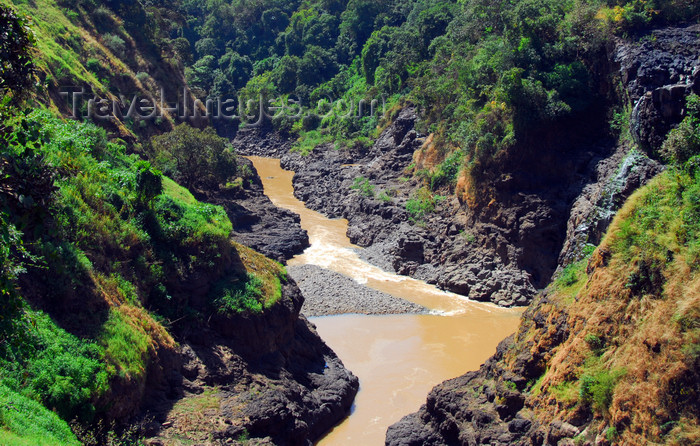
[[149, 182], [285, 75], [375, 47], [316, 66], [16, 41], [202, 73], [237, 69], [195, 158]]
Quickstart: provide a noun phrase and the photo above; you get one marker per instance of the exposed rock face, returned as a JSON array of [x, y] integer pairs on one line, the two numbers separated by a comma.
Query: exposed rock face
[[259, 224], [497, 404], [488, 406], [659, 72], [262, 142], [614, 180], [437, 250], [270, 376]]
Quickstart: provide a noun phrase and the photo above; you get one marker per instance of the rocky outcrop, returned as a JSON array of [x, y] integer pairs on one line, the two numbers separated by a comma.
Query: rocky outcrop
[[659, 71], [501, 254], [257, 222], [253, 141], [488, 406], [614, 180], [266, 376]]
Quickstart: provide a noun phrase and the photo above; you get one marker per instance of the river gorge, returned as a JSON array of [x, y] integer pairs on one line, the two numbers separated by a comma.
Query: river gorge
[[398, 358]]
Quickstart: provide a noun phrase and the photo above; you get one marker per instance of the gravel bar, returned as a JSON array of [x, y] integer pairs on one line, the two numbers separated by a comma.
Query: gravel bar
[[329, 293]]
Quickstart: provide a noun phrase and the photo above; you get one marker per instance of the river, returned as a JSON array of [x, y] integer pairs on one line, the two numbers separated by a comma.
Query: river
[[398, 359]]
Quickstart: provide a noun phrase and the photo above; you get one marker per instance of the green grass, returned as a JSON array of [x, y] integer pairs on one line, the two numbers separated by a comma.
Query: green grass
[[126, 346], [25, 422], [308, 141], [177, 192]]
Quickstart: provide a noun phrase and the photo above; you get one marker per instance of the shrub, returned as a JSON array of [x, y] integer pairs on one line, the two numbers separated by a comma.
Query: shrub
[[446, 172], [16, 42], [93, 65], [420, 205], [569, 275], [240, 295], [611, 434], [103, 17], [308, 141], [142, 76], [114, 43], [598, 388], [363, 186], [683, 142], [595, 342], [60, 370], [149, 182]]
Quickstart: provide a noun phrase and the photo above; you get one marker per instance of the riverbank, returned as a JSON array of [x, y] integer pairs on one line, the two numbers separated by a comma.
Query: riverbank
[[397, 357], [328, 293]]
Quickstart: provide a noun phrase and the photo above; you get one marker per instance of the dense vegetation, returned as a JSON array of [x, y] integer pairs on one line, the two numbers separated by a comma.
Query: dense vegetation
[[118, 240], [487, 75], [96, 247], [97, 244]]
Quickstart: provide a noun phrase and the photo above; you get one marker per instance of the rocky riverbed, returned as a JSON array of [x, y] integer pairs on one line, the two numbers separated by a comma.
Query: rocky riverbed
[[503, 253], [543, 214], [329, 293]]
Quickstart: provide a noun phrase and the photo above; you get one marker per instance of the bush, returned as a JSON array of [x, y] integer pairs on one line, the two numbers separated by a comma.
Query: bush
[[60, 370], [308, 141], [363, 186], [93, 65], [598, 388], [16, 42], [683, 142], [446, 172], [420, 205], [114, 43], [244, 295]]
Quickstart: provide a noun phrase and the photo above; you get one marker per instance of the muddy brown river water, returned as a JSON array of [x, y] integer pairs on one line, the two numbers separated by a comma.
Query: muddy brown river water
[[398, 359]]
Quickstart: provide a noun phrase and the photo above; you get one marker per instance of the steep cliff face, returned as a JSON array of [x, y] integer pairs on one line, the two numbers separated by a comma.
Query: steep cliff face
[[553, 202], [608, 354], [609, 357], [265, 376], [658, 73], [502, 253]]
